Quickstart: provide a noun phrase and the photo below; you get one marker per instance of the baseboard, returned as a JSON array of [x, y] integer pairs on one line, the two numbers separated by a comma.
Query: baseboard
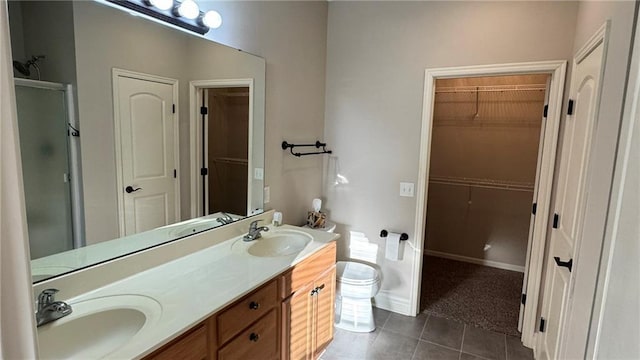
[[495, 264], [392, 303]]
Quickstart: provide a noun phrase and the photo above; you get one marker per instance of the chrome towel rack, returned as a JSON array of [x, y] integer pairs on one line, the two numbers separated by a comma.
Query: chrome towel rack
[[317, 145]]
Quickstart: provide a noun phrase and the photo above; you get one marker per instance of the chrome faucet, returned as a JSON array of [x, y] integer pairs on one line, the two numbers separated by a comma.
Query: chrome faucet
[[254, 231], [50, 310], [225, 219]]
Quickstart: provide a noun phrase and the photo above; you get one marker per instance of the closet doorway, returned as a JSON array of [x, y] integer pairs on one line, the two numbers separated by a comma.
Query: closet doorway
[[484, 154], [487, 156], [221, 141]]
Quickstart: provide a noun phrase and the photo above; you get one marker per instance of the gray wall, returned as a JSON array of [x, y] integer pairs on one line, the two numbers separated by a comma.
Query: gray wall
[[376, 57]]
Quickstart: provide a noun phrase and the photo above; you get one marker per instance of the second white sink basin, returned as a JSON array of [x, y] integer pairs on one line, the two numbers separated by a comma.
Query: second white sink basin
[[280, 243], [98, 328]]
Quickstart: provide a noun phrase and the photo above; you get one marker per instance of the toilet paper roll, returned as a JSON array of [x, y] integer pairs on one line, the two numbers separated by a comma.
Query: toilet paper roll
[[392, 249]]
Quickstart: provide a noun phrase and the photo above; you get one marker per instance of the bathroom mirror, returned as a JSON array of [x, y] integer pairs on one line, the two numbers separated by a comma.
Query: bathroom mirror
[[116, 116]]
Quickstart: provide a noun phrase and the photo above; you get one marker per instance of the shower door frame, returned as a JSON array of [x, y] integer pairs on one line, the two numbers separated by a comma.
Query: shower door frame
[[75, 176], [544, 179]]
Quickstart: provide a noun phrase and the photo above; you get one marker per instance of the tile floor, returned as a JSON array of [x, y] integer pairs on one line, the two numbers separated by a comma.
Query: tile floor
[[423, 337]]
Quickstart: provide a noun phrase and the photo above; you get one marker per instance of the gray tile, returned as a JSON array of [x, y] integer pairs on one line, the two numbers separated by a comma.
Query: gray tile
[[380, 316], [483, 343], [517, 351], [349, 345], [429, 351], [389, 345], [443, 332], [406, 325], [465, 356]]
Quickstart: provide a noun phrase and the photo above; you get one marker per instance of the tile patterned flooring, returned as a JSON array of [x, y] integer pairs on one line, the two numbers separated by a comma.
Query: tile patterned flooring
[[426, 336]]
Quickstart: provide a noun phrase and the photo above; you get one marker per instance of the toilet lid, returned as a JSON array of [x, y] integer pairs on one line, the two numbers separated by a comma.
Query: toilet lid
[[356, 273]]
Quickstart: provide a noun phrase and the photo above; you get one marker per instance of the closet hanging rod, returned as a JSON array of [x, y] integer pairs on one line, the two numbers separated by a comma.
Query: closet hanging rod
[[486, 184], [317, 145], [492, 88]]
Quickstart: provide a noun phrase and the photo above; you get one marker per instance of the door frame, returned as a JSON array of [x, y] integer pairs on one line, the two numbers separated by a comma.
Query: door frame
[[557, 70], [195, 128], [116, 73]]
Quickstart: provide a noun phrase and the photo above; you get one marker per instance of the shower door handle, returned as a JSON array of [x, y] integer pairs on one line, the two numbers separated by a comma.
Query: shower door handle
[[129, 189]]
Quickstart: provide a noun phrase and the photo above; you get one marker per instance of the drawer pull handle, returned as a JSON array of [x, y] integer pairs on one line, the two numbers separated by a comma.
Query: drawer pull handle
[[254, 305], [254, 337], [320, 287]]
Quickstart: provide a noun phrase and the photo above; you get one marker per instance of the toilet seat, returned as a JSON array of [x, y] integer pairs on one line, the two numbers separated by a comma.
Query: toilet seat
[[354, 273]]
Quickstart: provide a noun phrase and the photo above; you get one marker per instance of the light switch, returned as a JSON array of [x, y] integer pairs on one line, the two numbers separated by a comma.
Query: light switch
[[258, 173], [267, 194], [406, 189]]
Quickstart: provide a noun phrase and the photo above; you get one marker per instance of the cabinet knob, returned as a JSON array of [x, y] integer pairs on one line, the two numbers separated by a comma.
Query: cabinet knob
[[254, 305], [319, 288], [254, 337]]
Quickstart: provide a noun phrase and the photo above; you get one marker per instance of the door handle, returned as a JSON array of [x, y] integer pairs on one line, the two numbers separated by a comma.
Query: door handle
[[129, 189], [567, 264]]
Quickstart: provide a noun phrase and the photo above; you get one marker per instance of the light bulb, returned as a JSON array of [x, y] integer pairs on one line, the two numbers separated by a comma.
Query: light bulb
[[189, 9], [161, 4], [212, 19]]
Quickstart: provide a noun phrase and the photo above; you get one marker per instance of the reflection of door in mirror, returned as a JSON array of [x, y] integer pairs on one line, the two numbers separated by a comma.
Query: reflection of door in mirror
[[147, 136], [226, 149], [45, 142]]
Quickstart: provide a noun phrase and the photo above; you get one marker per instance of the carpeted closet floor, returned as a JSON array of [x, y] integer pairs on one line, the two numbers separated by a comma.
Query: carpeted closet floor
[[483, 296]]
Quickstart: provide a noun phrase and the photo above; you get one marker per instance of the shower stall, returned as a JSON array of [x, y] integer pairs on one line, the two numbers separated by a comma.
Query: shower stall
[[49, 146]]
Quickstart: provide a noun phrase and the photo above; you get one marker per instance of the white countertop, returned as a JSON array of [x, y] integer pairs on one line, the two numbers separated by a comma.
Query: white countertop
[[192, 288]]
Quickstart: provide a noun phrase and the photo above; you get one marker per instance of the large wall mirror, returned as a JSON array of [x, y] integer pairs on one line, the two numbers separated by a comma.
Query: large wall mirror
[[132, 133]]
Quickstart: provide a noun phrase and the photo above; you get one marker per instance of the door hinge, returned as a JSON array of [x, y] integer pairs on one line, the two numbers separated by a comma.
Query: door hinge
[[203, 110], [204, 171], [173, 108], [570, 107], [545, 111], [543, 322], [175, 173], [556, 219], [523, 299], [534, 208]]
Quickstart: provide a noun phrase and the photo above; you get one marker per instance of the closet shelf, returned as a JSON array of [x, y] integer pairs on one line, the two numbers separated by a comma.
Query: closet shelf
[[482, 183], [228, 160], [494, 88]]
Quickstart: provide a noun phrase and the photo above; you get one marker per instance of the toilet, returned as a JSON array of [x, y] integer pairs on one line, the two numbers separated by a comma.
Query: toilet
[[357, 283]]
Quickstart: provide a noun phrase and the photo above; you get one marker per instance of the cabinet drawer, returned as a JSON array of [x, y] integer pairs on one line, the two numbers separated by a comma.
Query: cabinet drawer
[[306, 271], [192, 346], [258, 341], [246, 311]]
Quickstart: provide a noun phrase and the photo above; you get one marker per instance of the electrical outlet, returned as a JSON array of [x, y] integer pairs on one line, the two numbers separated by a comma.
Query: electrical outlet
[[406, 189], [258, 173], [267, 194]]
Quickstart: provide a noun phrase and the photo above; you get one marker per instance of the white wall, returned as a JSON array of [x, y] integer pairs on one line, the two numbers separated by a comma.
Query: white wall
[[292, 37], [376, 57]]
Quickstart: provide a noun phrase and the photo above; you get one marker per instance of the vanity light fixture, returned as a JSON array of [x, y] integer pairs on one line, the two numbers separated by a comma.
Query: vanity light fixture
[[185, 14]]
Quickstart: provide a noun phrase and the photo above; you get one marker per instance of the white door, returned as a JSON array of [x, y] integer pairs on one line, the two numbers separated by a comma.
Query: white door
[[570, 200], [148, 156]]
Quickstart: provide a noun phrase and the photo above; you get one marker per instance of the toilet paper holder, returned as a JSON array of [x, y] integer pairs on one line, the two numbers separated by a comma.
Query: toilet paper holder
[[403, 236]]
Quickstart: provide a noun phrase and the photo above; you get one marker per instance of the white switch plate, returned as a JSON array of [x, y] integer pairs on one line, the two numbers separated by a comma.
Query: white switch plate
[[258, 173], [406, 189], [267, 194]]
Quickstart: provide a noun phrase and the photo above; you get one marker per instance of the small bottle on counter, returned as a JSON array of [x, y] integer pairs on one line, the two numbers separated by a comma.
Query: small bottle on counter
[[277, 219]]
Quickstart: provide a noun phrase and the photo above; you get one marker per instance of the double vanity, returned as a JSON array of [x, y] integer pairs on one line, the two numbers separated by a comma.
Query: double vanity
[[216, 296]]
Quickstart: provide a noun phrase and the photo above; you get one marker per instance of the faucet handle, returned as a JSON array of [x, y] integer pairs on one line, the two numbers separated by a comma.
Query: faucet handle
[[46, 297], [254, 224]]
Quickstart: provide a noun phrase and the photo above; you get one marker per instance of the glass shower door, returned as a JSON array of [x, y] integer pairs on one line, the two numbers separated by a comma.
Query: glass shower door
[[42, 124]]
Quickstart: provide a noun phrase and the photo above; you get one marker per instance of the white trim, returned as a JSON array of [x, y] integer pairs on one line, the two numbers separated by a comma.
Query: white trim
[[118, 145], [196, 128], [557, 70], [392, 303], [472, 260]]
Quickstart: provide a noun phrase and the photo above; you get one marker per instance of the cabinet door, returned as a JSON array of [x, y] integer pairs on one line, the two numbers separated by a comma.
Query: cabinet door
[[324, 309], [300, 323]]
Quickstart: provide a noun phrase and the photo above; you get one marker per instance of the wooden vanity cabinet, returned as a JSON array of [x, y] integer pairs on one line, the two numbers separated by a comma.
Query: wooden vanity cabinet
[[289, 318], [307, 307]]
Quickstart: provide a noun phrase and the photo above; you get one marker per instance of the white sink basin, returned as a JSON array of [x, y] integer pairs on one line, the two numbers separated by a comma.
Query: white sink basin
[[98, 328], [279, 243]]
